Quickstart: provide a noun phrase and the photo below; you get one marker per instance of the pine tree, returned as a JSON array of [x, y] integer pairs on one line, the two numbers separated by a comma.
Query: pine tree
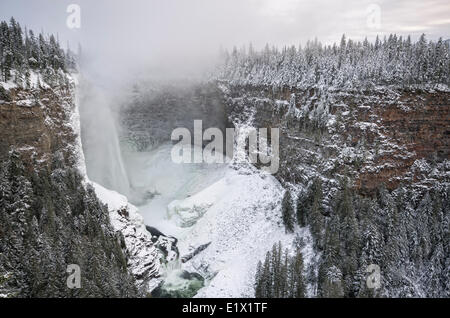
[[316, 210], [302, 207], [39, 236], [267, 278], [280, 276], [259, 281], [298, 284], [287, 212]]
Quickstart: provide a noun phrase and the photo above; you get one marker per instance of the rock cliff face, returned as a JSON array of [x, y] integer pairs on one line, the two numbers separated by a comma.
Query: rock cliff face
[[49, 213], [153, 112], [144, 250], [418, 121], [367, 168], [378, 137], [38, 122]]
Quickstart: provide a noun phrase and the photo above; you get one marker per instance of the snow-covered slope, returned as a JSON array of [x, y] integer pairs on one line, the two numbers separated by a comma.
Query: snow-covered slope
[[143, 256], [242, 223]]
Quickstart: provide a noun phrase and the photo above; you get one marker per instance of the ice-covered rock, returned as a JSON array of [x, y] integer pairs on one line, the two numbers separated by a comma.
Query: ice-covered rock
[[187, 212], [144, 259]]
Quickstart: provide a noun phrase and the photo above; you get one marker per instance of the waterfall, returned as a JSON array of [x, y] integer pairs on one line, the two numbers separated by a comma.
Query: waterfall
[[173, 265], [100, 140]]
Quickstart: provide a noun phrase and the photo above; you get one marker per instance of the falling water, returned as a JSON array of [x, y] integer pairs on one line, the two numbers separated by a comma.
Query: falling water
[[100, 140]]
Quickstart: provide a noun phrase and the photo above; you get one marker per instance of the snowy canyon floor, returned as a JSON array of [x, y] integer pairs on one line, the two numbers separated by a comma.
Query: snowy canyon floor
[[225, 217]]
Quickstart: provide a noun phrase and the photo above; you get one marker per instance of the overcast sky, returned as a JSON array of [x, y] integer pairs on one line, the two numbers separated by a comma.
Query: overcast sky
[[117, 32]]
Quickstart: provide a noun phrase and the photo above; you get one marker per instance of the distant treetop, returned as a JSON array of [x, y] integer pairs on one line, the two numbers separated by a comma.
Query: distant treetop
[[392, 61], [22, 51]]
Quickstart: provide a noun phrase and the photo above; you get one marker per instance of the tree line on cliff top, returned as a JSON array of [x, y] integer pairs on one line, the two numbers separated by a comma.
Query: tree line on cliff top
[[394, 60], [23, 51]]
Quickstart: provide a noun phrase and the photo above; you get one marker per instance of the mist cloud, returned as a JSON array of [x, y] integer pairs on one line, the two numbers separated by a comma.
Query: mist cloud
[[120, 38]]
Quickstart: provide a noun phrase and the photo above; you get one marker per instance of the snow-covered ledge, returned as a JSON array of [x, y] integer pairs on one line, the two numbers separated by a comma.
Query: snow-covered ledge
[[143, 257]]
